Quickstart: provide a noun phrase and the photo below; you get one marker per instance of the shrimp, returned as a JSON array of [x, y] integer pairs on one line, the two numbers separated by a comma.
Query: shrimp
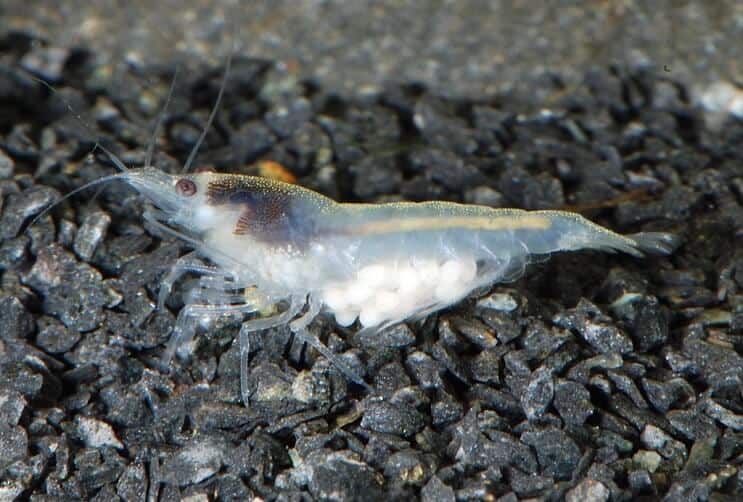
[[371, 265]]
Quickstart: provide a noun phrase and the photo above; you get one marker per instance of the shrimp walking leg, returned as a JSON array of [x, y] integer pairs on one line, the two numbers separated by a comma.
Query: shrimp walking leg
[[188, 263], [299, 329], [296, 304], [185, 328]]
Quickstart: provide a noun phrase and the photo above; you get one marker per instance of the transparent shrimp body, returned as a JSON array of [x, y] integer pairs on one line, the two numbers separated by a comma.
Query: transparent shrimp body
[[375, 264]]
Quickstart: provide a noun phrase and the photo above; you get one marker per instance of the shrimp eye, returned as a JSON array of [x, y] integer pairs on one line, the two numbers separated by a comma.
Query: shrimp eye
[[185, 187]]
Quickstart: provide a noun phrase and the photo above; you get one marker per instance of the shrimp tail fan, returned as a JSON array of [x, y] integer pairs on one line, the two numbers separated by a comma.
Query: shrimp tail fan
[[659, 243]]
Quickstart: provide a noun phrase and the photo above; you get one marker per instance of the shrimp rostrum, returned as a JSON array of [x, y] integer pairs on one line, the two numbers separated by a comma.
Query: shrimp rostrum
[[371, 264]]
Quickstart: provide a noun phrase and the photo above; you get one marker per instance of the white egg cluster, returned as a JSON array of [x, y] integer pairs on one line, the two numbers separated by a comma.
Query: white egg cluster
[[394, 290]]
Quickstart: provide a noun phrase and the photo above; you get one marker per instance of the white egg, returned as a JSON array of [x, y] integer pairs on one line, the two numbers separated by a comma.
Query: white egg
[[358, 293], [407, 280], [370, 317], [428, 272], [386, 302], [374, 275], [335, 298], [451, 271], [469, 270]]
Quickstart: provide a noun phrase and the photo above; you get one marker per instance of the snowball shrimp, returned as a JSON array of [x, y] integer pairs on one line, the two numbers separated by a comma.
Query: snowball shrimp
[[369, 265]]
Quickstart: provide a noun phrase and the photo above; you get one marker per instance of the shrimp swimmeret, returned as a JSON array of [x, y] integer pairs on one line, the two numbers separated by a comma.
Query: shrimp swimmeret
[[374, 265]]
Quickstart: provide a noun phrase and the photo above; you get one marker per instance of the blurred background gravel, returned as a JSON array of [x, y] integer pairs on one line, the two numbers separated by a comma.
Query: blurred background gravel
[[593, 378]]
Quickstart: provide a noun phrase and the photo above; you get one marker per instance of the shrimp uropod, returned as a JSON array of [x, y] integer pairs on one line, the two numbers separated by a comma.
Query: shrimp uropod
[[371, 264]]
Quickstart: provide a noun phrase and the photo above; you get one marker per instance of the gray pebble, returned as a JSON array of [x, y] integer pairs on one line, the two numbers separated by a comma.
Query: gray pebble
[[286, 118], [588, 490], [13, 444], [46, 62], [132, 484], [596, 328], [12, 405], [436, 491], [538, 393], [55, 338], [407, 467], [573, 402], [557, 453], [200, 459], [7, 166], [340, 476], [96, 433], [692, 424], [723, 415], [91, 232], [625, 384], [388, 418], [663, 395], [19, 207], [529, 485], [15, 321], [656, 439]]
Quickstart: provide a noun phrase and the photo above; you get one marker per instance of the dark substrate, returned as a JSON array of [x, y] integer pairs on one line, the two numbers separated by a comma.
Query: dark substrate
[[595, 377]]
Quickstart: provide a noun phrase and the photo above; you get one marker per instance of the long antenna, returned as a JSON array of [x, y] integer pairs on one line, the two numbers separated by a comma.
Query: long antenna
[[113, 158], [159, 123], [213, 113], [105, 179]]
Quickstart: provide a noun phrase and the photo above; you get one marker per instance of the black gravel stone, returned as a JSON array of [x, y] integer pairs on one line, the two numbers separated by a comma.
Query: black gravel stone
[[436, 491], [20, 207], [250, 141], [375, 177], [16, 321], [13, 444], [573, 402], [538, 394], [7, 166], [557, 453], [596, 328], [590, 490], [389, 418], [198, 460], [91, 232], [55, 338], [339, 476], [285, 119]]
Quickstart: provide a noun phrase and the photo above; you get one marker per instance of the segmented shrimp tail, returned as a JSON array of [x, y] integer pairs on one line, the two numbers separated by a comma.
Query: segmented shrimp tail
[[661, 243], [570, 232]]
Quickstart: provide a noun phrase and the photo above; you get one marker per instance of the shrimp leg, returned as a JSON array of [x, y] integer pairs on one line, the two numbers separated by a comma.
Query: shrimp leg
[[188, 263], [296, 304], [299, 329], [185, 330]]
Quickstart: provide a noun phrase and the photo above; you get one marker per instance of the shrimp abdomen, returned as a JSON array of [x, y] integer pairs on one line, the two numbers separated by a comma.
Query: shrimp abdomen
[[567, 231]]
